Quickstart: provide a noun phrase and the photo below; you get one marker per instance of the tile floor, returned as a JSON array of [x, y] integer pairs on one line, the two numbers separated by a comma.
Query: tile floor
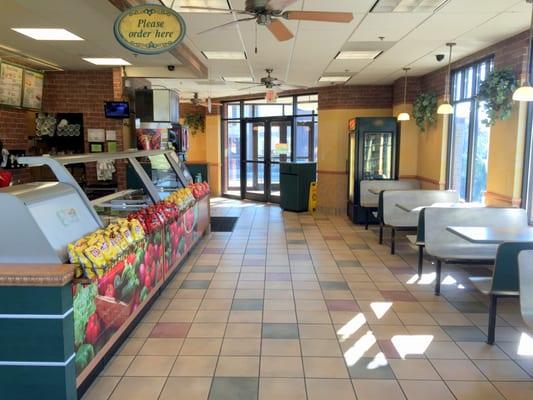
[[297, 307]]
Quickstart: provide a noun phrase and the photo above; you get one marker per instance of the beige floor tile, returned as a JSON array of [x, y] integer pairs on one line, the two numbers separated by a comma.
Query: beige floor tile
[[237, 366], [458, 370], [328, 389], [241, 347], [378, 389], [150, 366], [101, 388], [117, 366], [417, 318], [207, 330], [482, 351], [422, 390], [501, 370], [413, 369], [194, 366], [201, 346], [320, 348], [282, 388], [219, 316], [317, 331], [474, 390], [282, 367], [245, 317], [515, 390], [279, 316], [178, 316], [243, 330], [138, 388], [280, 347], [322, 367], [445, 350], [186, 388], [131, 347], [161, 347], [184, 304], [313, 317]]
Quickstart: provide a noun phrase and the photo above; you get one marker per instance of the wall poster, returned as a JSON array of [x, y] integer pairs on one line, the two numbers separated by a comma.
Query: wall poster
[[33, 89], [11, 84]]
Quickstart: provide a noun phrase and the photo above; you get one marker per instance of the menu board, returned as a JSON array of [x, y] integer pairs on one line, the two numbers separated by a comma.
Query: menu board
[[33, 89], [11, 84]]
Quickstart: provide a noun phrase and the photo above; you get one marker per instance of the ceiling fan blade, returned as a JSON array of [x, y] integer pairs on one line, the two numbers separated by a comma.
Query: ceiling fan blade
[[226, 24], [246, 83], [278, 4], [280, 31], [251, 87], [323, 16], [221, 10]]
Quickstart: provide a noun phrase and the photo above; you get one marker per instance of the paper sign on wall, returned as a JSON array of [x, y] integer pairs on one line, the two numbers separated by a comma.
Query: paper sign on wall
[[111, 136], [96, 135]]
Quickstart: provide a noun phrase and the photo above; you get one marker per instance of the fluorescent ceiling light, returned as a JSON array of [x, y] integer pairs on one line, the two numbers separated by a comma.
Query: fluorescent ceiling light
[[237, 79], [220, 4], [47, 34], [224, 55], [107, 61], [334, 78], [358, 55], [408, 6]]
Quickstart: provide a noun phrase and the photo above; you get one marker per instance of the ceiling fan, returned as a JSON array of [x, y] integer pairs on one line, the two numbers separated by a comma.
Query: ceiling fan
[[208, 103], [269, 12], [269, 82]]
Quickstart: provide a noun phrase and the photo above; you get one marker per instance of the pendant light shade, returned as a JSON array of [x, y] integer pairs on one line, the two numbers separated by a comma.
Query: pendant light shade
[[404, 116], [446, 108], [525, 93]]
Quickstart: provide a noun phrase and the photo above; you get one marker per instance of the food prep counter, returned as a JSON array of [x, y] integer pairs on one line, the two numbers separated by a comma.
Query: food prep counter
[[122, 248]]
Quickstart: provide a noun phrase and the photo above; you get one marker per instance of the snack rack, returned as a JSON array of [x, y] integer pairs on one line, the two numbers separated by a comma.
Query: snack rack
[[104, 306]]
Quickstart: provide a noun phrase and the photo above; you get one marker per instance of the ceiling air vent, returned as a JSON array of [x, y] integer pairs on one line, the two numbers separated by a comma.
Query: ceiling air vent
[[407, 6]]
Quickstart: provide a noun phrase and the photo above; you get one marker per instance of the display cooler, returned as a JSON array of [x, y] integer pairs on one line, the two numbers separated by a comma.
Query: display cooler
[[124, 247], [372, 155]]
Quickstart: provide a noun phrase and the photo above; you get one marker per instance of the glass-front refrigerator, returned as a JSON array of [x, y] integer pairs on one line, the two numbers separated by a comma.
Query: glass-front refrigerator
[[373, 155]]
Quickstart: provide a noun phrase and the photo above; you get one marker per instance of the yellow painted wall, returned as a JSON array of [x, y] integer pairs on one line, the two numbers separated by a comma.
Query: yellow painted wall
[[332, 190], [506, 158], [408, 143], [213, 152]]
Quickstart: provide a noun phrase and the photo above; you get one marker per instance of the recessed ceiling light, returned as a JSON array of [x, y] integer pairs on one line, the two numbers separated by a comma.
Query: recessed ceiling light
[[107, 61], [358, 55], [407, 6], [219, 4], [47, 34], [224, 55], [237, 79], [334, 78]]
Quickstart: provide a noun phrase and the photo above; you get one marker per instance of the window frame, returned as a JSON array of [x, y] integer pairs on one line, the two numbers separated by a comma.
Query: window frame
[[472, 128], [243, 119]]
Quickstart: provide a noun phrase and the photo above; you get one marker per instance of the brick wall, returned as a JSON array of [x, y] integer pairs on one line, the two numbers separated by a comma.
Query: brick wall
[[511, 52], [414, 87], [85, 92], [15, 127], [343, 97]]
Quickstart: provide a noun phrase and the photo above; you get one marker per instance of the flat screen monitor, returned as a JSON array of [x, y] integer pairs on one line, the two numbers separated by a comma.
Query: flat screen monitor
[[117, 109]]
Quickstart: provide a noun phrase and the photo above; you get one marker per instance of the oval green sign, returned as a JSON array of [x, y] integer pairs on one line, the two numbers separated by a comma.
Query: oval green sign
[[149, 29]]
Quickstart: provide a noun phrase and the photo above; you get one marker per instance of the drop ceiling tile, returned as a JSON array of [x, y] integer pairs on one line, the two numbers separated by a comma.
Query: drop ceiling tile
[[391, 26]]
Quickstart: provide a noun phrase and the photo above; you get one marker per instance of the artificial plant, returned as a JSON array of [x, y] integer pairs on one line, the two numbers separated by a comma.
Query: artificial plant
[[195, 121], [425, 110], [496, 92]]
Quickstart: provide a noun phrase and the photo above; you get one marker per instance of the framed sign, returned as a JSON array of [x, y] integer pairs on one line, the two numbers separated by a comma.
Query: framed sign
[[32, 89], [11, 84], [149, 29]]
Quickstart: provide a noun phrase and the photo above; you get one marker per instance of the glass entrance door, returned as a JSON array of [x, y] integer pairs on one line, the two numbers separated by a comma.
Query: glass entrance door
[[266, 143]]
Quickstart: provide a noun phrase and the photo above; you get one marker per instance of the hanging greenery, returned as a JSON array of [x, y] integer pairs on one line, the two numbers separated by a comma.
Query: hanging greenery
[[496, 92], [195, 121], [425, 110]]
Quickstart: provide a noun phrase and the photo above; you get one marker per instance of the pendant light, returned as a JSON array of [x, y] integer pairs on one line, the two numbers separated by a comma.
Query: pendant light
[[446, 108], [405, 115], [525, 93]]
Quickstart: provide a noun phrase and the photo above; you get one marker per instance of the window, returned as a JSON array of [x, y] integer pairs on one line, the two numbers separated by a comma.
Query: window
[[468, 147], [291, 120], [527, 181]]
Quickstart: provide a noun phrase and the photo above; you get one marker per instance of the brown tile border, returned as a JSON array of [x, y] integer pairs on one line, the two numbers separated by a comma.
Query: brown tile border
[[36, 274]]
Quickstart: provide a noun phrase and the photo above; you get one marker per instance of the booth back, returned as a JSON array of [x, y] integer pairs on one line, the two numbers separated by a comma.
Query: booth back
[[369, 199]]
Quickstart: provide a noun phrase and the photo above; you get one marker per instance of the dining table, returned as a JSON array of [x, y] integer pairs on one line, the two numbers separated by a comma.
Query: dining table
[[493, 235]]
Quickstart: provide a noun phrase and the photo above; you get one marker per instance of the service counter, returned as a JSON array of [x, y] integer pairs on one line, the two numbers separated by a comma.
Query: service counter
[[76, 275]]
